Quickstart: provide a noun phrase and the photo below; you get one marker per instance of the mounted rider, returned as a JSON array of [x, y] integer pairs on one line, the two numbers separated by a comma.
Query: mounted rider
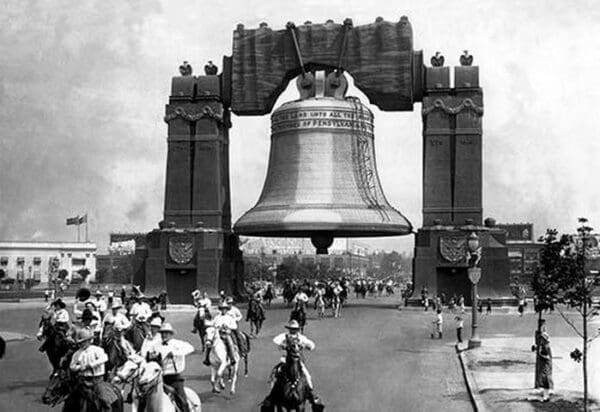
[[282, 341], [140, 311], [173, 353], [88, 362], [225, 325], [301, 299], [59, 316], [115, 319], [203, 303], [151, 344], [236, 314]]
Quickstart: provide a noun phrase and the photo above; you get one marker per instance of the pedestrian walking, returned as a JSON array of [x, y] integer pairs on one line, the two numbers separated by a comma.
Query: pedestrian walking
[[46, 295], [437, 323], [544, 354], [461, 303], [459, 327], [521, 306], [488, 309]]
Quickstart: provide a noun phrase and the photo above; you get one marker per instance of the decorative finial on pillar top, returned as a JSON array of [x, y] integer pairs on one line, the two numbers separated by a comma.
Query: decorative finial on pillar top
[[437, 60], [466, 59], [185, 69], [210, 69]]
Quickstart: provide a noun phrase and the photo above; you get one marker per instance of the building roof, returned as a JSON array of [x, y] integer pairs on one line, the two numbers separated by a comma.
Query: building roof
[[54, 245]]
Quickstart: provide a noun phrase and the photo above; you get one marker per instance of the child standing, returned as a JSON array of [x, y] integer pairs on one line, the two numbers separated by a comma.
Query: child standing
[[438, 322], [459, 327]]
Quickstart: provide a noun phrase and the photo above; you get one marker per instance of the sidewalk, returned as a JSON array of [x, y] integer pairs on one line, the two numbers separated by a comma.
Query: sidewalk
[[500, 375]]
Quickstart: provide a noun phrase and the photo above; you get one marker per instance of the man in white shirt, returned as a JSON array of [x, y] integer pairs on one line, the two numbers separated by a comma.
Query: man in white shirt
[[173, 353], [225, 325], [282, 341], [100, 303], [116, 319], [88, 362], [236, 333], [203, 303], [140, 312], [151, 345]]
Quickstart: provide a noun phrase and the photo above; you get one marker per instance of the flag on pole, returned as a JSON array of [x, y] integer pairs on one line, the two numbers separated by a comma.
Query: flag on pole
[[73, 220], [82, 219]]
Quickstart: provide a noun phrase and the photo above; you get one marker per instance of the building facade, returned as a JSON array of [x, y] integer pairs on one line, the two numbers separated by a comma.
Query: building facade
[[39, 261], [344, 253]]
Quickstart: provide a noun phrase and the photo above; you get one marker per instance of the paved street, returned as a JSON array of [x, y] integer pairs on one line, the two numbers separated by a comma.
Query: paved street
[[374, 357]]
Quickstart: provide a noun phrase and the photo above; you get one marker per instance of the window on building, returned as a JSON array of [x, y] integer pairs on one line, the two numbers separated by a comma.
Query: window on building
[[4, 260], [37, 275], [69, 254], [87, 255], [37, 261], [20, 261], [77, 262]]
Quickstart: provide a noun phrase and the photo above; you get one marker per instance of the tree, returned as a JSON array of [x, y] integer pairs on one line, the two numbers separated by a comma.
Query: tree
[[577, 284]]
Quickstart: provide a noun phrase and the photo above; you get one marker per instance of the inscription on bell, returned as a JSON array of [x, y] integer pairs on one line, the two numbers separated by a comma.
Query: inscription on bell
[[335, 119]]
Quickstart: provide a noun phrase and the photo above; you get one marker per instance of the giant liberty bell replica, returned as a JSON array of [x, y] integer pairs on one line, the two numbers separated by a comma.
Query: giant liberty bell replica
[[322, 177]]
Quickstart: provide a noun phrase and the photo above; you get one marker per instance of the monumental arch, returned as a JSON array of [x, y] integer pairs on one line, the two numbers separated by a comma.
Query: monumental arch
[[195, 246]]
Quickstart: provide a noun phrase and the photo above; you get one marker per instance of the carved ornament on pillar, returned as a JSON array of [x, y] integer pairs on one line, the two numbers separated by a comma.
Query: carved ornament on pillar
[[181, 249], [206, 111], [453, 248], [466, 104]]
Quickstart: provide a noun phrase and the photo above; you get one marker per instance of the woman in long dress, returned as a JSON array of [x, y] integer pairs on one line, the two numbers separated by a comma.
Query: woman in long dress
[[545, 366]]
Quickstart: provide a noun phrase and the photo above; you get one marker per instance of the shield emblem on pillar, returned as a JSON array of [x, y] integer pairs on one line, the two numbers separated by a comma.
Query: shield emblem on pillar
[[181, 249], [453, 249]]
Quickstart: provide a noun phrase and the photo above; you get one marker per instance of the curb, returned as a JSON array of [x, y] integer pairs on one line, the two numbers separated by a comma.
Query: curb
[[476, 401]]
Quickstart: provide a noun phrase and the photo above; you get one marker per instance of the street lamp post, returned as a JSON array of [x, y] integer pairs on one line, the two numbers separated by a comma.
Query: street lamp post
[[474, 276]]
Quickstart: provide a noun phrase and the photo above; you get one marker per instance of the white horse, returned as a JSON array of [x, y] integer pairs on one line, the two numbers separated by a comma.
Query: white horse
[[219, 361], [146, 377]]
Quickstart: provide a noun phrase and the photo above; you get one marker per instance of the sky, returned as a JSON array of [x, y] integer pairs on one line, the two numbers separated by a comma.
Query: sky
[[83, 88]]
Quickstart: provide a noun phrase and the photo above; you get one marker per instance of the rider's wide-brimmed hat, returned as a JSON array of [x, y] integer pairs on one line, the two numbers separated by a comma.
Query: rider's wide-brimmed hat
[[116, 304], [156, 322], [83, 334], [98, 292], [293, 324], [229, 300], [166, 328], [196, 293]]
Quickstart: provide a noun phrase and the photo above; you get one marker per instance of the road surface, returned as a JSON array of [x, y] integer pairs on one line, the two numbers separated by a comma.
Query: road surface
[[375, 357]]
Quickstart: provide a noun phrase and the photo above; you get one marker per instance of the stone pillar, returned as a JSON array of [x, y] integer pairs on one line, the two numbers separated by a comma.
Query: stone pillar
[[193, 246]]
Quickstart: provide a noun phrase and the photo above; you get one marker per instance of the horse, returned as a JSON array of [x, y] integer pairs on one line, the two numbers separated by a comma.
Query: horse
[[219, 361], [290, 391], [255, 316], [289, 292], [136, 334], [63, 386], [146, 377], [299, 315], [115, 352], [268, 296], [200, 325], [56, 344]]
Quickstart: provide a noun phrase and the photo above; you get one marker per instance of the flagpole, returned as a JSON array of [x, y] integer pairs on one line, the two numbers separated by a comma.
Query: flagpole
[[78, 230], [86, 227]]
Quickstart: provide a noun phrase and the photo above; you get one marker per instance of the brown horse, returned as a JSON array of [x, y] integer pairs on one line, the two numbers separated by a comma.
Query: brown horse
[[299, 315], [117, 356], [56, 345], [255, 315], [290, 391], [64, 386]]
